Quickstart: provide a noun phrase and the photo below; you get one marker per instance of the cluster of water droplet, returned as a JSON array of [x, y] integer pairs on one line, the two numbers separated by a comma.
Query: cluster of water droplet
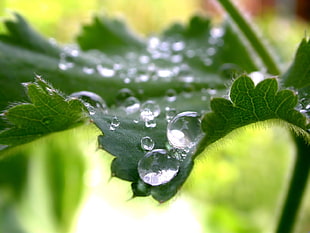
[[304, 105], [160, 166], [150, 65]]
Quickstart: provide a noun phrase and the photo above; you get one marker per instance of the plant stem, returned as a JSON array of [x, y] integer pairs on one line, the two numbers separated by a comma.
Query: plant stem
[[296, 187], [252, 37]]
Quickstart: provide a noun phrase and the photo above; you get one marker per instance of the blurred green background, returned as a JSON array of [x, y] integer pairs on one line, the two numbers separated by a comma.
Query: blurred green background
[[62, 183]]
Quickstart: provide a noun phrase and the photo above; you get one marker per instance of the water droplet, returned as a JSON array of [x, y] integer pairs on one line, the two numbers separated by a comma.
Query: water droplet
[[123, 94], [91, 110], [64, 64], [131, 105], [187, 79], [127, 80], [114, 123], [88, 70], [211, 91], [171, 95], [184, 130], [150, 123], [105, 72], [144, 59], [178, 46], [147, 143], [157, 167], [208, 61], [170, 113], [91, 100], [176, 58], [164, 73], [217, 32], [149, 110], [142, 78], [211, 51], [190, 53], [178, 154], [188, 90], [153, 43]]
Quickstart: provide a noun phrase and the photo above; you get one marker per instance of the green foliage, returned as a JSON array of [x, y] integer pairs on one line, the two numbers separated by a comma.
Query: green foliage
[[48, 112], [249, 104], [298, 75], [211, 57], [197, 63]]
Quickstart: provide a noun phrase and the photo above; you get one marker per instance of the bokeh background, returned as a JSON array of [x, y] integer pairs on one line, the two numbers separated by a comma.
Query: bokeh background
[[62, 183]]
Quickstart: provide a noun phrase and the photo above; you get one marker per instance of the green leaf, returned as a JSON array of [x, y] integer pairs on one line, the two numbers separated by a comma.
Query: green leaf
[[249, 104], [195, 63], [298, 75], [48, 112], [108, 35]]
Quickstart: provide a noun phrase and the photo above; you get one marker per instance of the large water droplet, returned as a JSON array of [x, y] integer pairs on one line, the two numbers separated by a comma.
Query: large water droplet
[[147, 143], [91, 100], [157, 167], [184, 130], [114, 123]]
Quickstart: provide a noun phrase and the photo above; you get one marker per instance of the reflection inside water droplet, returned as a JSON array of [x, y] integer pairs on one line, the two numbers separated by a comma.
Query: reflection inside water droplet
[[157, 167], [184, 130]]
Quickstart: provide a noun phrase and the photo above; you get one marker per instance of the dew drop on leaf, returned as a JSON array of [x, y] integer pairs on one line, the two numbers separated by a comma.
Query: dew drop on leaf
[[157, 167], [149, 110], [171, 95], [91, 100], [131, 105], [88, 70], [64, 64], [176, 58], [170, 113], [150, 123], [123, 94], [147, 143], [178, 46], [105, 72], [114, 123], [184, 130]]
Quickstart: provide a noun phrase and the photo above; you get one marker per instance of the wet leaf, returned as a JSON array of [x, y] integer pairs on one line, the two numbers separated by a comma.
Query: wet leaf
[[186, 68]]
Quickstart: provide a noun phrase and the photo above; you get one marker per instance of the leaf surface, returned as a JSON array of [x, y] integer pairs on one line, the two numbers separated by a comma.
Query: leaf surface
[[186, 68]]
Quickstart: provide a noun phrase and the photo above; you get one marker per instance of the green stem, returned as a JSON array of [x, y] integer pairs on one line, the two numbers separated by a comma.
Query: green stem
[[296, 187], [250, 34]]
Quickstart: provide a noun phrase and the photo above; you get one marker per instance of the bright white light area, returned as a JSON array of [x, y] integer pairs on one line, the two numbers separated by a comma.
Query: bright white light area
[[98, 215]]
